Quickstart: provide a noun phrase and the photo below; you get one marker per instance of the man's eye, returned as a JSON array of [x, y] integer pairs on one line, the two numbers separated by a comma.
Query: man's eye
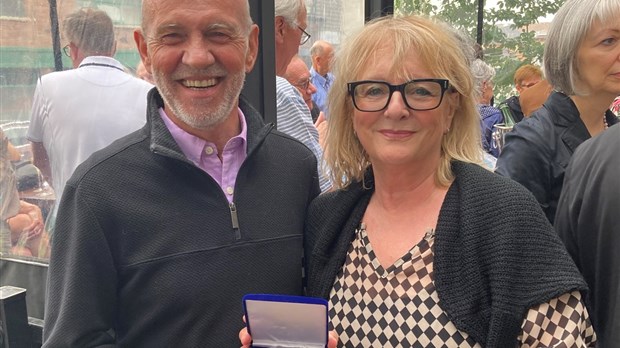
[[171, 38], [219, 36]]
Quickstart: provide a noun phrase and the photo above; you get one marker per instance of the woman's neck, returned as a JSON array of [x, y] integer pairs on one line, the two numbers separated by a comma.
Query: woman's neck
[[396, 187], [592, 111]]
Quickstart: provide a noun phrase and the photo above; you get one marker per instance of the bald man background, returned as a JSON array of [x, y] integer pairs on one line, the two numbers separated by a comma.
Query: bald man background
[[322, 54]]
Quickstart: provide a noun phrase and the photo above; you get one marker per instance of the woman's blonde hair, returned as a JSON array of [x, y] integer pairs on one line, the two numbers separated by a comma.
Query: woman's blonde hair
[[438, 50]]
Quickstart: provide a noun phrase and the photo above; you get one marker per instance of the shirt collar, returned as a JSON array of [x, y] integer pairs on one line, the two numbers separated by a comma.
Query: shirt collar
[[102, 61], [191, 145]]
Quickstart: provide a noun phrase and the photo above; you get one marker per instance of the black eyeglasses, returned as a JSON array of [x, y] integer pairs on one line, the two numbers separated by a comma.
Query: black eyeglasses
[[528, 85], [304, 36], [303, 85], [67, 50], [420, 94]]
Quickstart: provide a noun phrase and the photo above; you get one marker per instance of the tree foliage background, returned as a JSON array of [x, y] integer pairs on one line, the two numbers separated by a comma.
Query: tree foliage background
[[502, 51]]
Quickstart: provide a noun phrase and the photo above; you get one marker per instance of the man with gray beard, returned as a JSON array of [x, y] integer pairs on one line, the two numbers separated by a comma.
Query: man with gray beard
[[160, 234]]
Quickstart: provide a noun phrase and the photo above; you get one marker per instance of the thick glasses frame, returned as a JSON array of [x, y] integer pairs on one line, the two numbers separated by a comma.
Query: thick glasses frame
[[303, 85], [304, 36], [67, 50], [443, 83], [529, 85]]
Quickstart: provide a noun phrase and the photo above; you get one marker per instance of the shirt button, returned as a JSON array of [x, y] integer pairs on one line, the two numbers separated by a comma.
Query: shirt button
[[209, 150], [229, 190]]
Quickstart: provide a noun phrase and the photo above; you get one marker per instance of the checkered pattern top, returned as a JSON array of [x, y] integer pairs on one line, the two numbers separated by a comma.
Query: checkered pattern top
[[399, 307]]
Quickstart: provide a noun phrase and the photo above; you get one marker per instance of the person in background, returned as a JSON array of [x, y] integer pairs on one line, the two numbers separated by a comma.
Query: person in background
[[143, 74], [525, 76], [615, 106], [588, 220], [79, 111], [483, 75], [294, 116], [298, 75], [160, 234], [581, 63], [21, 223], [418, 235], [322, 55], [533, 98]]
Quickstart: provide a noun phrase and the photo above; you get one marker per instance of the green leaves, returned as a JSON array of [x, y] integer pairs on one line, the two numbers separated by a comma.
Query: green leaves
[[509, 39]]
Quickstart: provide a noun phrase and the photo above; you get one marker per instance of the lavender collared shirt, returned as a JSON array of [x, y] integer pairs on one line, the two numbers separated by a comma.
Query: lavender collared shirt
[[205, 156]]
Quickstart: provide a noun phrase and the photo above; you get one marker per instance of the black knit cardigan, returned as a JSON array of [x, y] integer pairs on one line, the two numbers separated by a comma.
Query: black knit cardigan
[[496, 255]]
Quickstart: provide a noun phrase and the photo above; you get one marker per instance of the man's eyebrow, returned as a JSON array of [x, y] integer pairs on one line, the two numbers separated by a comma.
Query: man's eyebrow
[[167, 27]]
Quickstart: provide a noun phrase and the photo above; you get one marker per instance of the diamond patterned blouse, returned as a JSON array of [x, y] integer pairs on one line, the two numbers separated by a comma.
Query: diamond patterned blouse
[[399, 307]]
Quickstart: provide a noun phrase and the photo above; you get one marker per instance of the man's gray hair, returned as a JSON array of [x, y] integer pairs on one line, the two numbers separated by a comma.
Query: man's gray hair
[[289, 10], [568, 29], [318, 47], [91, 30], [146, 5]]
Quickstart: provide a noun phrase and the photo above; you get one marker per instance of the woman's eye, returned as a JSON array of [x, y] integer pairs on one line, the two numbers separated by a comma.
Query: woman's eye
[[609, 41], [420, 92], [375, 91], [371, 91]]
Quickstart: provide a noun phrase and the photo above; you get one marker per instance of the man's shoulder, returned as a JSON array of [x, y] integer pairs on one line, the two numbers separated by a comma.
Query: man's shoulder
[[282, 83], [285, 89], [57, 76], [289, 102], [113, 157], [287, 143], [140, 83], [601, 147]]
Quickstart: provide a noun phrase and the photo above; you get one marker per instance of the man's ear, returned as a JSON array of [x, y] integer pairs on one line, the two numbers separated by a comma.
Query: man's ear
[[142, 48], [280, 28], [252, 53]]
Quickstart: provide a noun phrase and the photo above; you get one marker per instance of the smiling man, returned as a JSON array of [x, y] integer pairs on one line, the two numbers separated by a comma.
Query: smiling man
[[160, 235]]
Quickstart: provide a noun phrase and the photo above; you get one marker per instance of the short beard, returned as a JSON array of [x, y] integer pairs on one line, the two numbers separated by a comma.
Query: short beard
[[202, 116]]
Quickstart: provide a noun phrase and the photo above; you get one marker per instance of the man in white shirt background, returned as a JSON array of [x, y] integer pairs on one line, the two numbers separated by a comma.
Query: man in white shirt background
[[82, 110]]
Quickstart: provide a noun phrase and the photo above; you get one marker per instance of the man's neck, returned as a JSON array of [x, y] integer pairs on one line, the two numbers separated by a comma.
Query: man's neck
[[218, 134]]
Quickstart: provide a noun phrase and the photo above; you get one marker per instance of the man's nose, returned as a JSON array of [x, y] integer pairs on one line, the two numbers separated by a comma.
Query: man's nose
[[198, 53], [312, 88]]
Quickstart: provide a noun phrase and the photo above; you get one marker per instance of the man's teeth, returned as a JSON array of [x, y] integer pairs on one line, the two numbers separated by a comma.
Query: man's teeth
[[199, 84]]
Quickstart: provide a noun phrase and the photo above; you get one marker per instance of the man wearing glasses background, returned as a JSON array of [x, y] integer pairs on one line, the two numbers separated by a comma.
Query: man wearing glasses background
[[82, 110], [293, 115], [298, 75]]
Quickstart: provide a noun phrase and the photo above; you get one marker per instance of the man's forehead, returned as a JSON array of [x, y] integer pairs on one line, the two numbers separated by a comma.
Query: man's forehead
[[298, 68], [173, 11]]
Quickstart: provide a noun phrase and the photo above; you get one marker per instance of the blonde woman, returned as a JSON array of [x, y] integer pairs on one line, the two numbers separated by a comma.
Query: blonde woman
[[420, 246]]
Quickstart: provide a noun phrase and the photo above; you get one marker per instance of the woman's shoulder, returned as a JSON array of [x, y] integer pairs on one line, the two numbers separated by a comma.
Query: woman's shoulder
[[480, 186], [539, 123], [337, 200]]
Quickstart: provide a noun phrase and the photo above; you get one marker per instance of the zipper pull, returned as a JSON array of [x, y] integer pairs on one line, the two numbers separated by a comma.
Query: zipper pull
[[235, 221]]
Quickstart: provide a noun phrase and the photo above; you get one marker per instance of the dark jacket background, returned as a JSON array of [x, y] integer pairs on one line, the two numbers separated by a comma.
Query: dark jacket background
[[538, 149], [515, 108], [588, 221]]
